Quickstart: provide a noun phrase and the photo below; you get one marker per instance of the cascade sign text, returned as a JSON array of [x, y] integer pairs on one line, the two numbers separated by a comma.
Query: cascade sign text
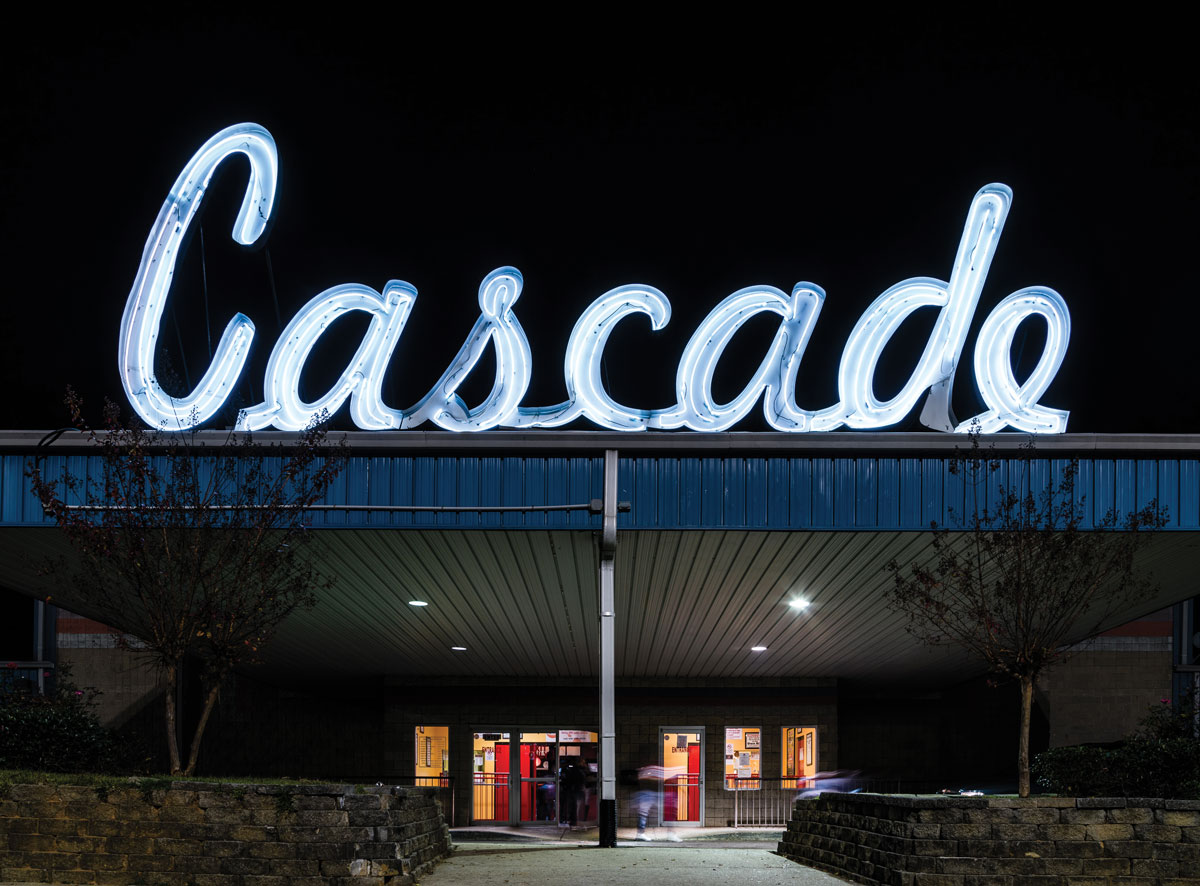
[[1009, 403]]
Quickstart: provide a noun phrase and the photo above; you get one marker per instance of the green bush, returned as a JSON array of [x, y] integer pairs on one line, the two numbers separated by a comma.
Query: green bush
[[1161, 759], [54, 733]]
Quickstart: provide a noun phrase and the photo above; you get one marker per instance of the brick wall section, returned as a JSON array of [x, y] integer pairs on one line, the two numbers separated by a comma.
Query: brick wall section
[[220, 835], [919, 841]]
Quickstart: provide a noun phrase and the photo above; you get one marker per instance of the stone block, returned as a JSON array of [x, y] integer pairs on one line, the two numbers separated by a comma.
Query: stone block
[[100, 861], [1128, 849], [22, 875], [1062, 867], [1179, 817], [1131, 815], [1060, 832], [965, 831], [30, 843], [1110, 832], [244, 866], [144, 863], [1158, 833], [1082, 816], [1079, 849], [1106, 867], [1015, 831], [272, 850], [1101, 803], [1155, 867]]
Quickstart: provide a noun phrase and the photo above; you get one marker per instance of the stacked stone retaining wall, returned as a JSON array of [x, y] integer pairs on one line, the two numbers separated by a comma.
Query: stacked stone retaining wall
[[219, 835], [964, 841]]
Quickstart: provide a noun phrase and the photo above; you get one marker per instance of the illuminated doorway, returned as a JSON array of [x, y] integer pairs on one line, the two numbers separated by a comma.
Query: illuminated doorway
[[799, 758], [535, 777], [681, 800]]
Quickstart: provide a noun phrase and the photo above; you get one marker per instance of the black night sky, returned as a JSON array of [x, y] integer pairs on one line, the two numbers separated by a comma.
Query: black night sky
[[697, 159]]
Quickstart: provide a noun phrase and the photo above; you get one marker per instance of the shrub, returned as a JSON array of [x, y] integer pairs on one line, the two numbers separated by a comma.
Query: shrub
[[1160, 759], [54, 733]]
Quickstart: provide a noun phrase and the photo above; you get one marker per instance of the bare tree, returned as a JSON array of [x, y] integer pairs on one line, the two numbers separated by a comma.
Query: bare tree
[[197, 551], [1018, 576]]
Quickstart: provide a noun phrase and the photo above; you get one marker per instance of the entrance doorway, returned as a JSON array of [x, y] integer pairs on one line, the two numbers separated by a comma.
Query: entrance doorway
[[535, 777], [682, 799]]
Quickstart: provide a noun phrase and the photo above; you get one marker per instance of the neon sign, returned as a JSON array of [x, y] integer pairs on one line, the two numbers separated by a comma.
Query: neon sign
[[1009, 403]]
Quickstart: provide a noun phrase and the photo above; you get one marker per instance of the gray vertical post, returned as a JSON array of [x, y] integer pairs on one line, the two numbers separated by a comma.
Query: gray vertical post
[[608, 722], [39, 643]]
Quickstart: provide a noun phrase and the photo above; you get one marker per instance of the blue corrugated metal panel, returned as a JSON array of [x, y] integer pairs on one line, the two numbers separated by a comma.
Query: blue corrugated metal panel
[[822, 493], [511, 490], [1038, 480], [1126, 488], [11, 490], [757, 493], [800, 492], [1147, 482], [845, 493], [932, 510], [733, 473], [910, 494], [690, 495], [645, 496], [888, 505], [470, 479], [1085, 489], [1189, 493], [535, 490], [587, 482], [866, 493], [446, 482], [1168, 491], [958, 497], [778, 493], [712, 492], [556, 488], [491, 481]]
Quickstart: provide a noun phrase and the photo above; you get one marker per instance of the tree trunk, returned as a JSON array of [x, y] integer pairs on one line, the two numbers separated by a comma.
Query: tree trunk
[[210, 701], [1023, 739], [172, 732]]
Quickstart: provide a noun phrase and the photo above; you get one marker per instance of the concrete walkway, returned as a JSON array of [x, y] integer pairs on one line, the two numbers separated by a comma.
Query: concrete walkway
[[712, 857]]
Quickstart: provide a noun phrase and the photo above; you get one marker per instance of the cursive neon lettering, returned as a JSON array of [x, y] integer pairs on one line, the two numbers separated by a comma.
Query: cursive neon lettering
[[1009, 403]]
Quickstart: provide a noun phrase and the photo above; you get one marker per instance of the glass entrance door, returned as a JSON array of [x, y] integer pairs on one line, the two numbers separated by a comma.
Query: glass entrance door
[[491, 777], [535, 777], [539, 776], [682, 799]]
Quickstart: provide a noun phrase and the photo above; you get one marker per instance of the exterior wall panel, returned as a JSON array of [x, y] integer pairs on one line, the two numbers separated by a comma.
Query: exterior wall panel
[[666, 492]]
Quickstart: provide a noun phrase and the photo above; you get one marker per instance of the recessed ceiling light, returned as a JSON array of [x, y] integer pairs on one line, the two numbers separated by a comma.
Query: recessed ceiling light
[[758, 648], [459, 648], [417, 603], [799, 603]]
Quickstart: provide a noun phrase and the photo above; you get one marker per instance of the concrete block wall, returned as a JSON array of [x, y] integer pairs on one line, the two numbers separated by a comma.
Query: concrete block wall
[[1106, 688], [935, 841], [199, 834]]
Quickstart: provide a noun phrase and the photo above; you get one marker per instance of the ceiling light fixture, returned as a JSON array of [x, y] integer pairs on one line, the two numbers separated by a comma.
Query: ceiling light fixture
[[799, 603], [459, 648], [758, 648], [417, 603]]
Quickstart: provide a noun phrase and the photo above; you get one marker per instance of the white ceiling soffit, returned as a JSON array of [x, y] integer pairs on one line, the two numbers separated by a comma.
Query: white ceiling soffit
[[689, 603]]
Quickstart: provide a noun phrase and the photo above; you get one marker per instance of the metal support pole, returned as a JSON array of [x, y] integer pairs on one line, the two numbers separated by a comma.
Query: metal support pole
[[608, 722]]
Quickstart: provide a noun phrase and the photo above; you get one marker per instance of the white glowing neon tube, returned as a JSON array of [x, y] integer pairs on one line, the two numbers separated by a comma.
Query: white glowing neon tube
[[148, 297], [1009, 403], [1015, 405]]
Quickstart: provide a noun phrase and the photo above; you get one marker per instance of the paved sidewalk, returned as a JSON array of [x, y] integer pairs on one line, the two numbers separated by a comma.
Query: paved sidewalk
[[696, 864], [708, 857]]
